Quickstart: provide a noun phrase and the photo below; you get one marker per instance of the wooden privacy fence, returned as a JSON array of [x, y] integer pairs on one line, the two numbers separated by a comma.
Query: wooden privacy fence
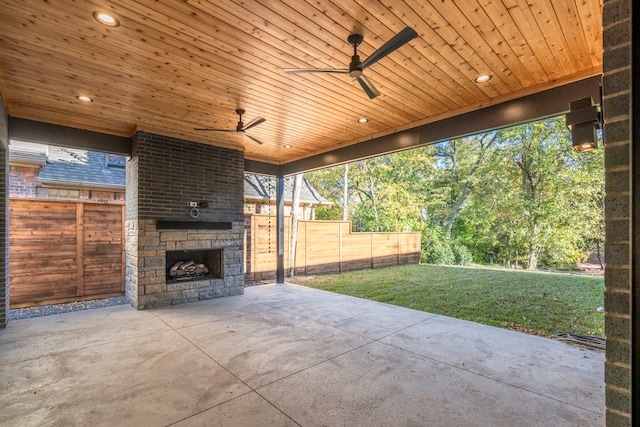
[[64, 250], [324, 247]]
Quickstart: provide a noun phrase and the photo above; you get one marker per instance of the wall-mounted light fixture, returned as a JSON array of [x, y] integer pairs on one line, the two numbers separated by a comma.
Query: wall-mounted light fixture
[[584, 119], [194, 212]]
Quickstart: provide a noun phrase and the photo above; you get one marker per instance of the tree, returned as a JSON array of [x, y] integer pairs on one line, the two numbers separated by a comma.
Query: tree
[[519, 196], [462, 163]]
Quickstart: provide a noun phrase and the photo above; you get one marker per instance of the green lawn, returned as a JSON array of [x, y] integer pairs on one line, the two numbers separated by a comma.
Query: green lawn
[[538, 303]]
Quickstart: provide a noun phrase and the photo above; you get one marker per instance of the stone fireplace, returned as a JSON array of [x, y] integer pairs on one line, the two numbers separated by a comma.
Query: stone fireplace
[[165, 177]]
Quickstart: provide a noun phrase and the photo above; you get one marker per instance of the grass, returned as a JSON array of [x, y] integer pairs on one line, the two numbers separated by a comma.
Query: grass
[[537, 303]]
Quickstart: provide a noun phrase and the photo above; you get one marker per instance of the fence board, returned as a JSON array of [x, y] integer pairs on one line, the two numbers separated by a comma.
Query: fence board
[[65, 249], [325, 247]]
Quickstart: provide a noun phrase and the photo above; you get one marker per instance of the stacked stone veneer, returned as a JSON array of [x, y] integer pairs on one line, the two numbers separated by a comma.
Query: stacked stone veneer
[[152, 289], [163, 176]]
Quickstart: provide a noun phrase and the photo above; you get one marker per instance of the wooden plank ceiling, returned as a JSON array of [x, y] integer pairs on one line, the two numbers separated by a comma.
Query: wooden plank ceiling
[[176, 65]]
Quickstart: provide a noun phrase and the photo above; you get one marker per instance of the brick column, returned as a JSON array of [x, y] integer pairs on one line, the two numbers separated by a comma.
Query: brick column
[[4, 217], [620, 254]]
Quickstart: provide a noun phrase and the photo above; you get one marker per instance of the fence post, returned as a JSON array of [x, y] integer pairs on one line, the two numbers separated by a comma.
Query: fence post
[[280, 228], [339, 247], [124, 245], [80, 249]]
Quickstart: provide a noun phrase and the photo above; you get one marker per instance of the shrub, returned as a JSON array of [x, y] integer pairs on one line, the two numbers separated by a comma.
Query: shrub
[[439, 249], [462, 254], [438, 252]]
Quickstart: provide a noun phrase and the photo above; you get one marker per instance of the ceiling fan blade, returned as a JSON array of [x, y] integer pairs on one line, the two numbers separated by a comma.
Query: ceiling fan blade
[[316, 70], [254, 139], [368, 87], [252, 123], [215, 130], [394, 43]]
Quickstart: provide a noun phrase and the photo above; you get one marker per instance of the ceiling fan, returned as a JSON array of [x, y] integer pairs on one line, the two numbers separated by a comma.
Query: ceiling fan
[[356, 67], [241, 127]]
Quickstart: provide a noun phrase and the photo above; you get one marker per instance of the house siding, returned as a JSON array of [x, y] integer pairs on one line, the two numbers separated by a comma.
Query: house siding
[[617, 75]]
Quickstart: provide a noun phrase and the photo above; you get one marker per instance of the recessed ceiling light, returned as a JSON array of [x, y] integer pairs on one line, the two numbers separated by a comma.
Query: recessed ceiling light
[[483, 78], [106, 19], [363, 120], [84, 98], [287, 145]]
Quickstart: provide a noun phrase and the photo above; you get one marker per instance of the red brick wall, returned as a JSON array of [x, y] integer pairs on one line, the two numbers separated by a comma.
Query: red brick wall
[[23, 181]]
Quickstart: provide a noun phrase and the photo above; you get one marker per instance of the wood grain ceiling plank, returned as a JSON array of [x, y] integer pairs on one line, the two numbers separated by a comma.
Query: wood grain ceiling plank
[[290, 18], [455, 67], [430, 94], [534, 37], [279, 69], [331, 81], [511, 33], [494, 40], [590, 13], [392, 75], [145, 61], [109, 113], [448, 82], [562, 36], [121, 92], [27, 110], [330, 99], [577, 21], [461, 35]]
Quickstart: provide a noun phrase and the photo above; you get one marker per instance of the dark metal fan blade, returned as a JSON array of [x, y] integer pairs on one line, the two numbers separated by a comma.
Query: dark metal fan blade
[[315, 70], [368, 87], [254, 139], [215, 130], [252, 123], [396, 41]]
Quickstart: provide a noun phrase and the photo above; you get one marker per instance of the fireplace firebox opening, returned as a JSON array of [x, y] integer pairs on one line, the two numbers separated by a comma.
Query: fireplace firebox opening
[[193, 265]]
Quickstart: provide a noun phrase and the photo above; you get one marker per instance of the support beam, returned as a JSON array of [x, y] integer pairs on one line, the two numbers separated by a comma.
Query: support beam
[[261, 168], [50, 134], [548, 103], [280, 227]]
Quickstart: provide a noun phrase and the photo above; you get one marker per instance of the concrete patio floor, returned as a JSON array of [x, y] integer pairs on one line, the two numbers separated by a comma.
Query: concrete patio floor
[[286, 355]]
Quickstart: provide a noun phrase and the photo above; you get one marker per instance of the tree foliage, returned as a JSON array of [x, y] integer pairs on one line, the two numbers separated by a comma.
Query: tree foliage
[[519, 196]]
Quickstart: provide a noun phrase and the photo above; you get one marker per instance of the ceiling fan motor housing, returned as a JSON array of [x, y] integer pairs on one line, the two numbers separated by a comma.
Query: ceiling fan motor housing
[[239, 112], [354, 67]]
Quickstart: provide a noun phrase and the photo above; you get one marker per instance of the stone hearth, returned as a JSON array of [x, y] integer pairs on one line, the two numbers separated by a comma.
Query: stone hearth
[[153, 288]]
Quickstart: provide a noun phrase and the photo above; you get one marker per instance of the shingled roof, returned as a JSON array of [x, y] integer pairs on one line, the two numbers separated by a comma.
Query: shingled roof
[[81, 167], [263, 188]]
